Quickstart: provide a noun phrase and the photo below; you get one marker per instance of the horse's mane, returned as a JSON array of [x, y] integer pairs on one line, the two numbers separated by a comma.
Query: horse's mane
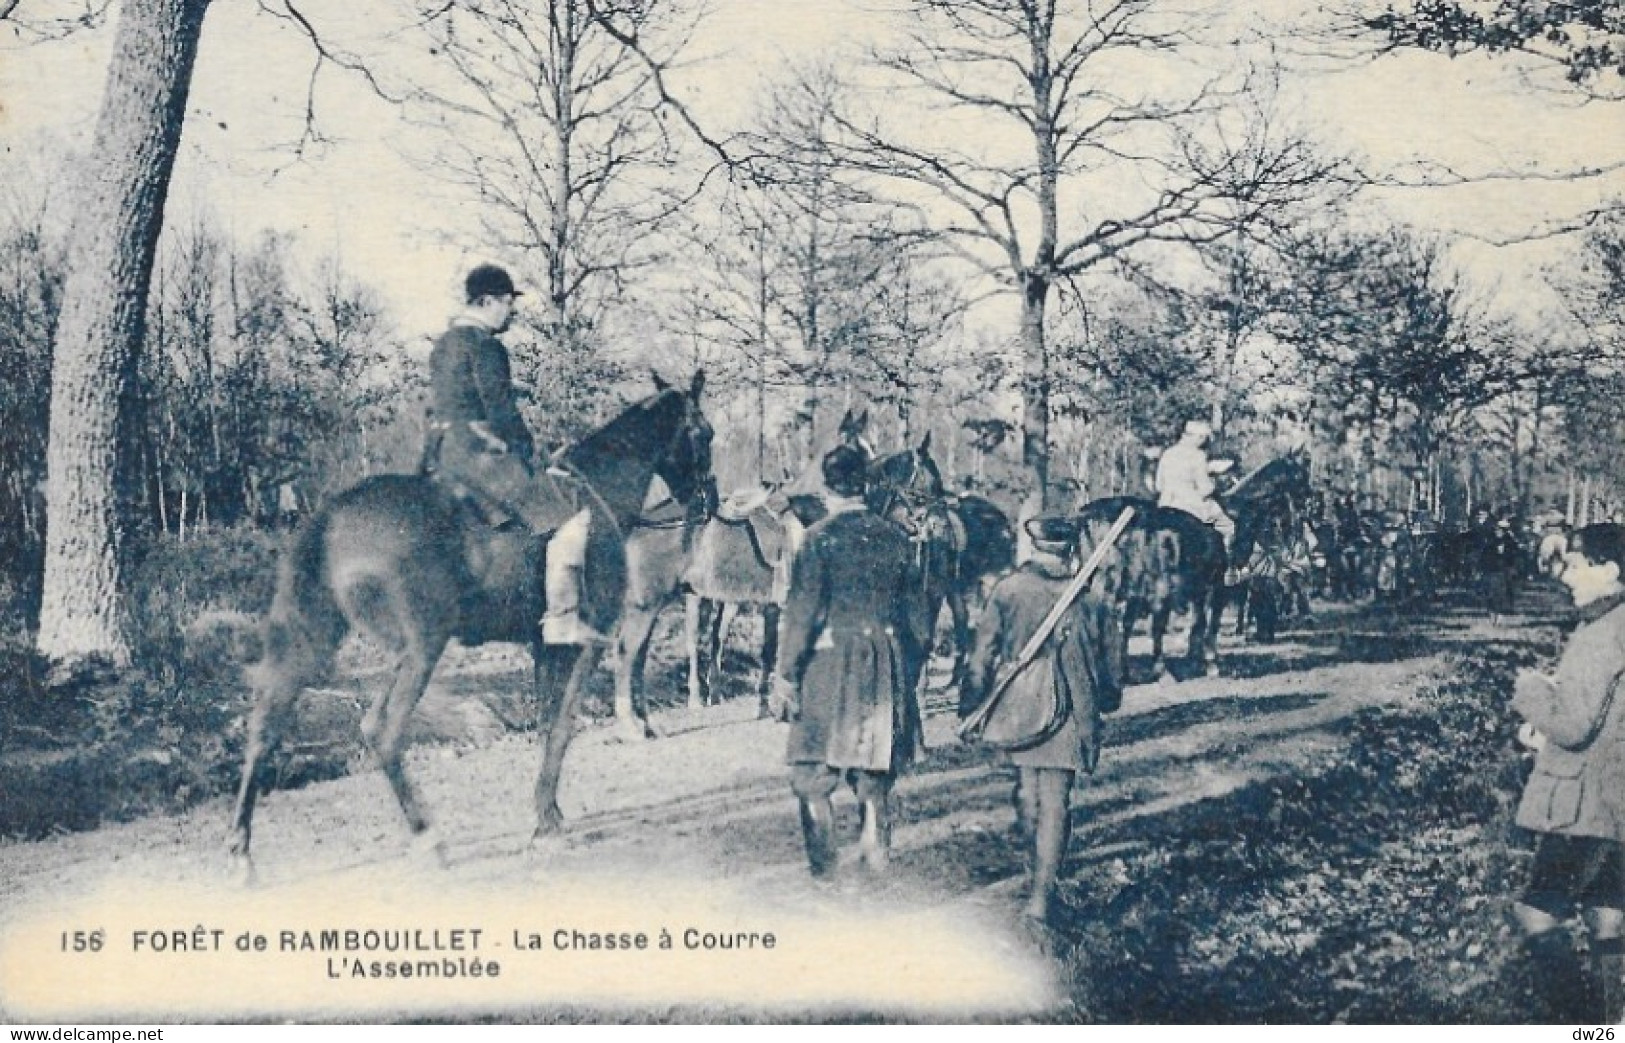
[[621, 434], [1267, 480]]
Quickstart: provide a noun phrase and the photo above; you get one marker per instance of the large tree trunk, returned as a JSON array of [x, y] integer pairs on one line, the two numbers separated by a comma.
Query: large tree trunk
[[1035, 450], [117, 217]]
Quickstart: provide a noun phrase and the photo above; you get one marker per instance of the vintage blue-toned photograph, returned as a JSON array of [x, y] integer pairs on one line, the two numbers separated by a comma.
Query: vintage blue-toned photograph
[[1085, 512]]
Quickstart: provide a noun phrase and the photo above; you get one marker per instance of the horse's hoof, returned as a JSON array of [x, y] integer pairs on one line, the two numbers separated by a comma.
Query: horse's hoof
[[549, 823], [242, 870], [546, 843], [633, 731], [876, 861], [429, 848]]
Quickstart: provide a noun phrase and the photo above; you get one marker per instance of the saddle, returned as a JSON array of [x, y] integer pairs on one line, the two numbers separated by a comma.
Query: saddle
[[748, 512], [738, 559], [473, 506], [504, 593], [477, 507]]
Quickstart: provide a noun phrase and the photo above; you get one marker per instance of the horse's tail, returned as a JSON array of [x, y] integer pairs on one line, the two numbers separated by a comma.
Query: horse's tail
[[305, 624]]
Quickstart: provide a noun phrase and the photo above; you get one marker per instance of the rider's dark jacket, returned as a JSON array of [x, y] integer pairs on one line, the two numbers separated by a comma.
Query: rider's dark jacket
[[472, 392], [471, 381]]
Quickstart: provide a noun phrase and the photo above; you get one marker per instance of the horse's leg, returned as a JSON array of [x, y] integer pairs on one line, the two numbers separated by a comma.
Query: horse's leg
[[295, 655], [693, 608], [1204, 646], [560, 672], [1160, 613], [272, 712], [770, 655], [632, 656], [1131, 617], [384, 729], [716, 634], [704, 618], [960, 616]]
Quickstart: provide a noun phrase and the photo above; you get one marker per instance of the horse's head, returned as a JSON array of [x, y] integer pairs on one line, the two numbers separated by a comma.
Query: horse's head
[[910, 477], [1282, 481], [1270, 500], [685, 463]]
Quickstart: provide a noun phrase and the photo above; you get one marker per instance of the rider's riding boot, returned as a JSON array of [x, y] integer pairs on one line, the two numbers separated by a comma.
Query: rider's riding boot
[[818, 831], [566, 560]]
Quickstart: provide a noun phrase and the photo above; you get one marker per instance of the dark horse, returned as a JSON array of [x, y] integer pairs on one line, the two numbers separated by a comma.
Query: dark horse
[[957, 539], [1174, 562], [404, 561]]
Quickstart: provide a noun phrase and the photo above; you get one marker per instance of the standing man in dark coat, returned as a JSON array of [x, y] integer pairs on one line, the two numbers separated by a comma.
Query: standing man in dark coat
[[485, 444], [1081, 662], [853, 639]]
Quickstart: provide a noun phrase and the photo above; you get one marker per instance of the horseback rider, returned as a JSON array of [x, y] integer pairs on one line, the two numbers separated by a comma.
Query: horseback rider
[[1184, 479], [485, 445]]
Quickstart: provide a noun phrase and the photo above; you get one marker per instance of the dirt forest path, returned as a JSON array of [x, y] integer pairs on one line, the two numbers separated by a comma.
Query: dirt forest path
[[708, 805]]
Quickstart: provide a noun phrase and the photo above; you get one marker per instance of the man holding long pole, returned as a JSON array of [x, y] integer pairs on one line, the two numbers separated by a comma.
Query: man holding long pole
[[1077, 666]]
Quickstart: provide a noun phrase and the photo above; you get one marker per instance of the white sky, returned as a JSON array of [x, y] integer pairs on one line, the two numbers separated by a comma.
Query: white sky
[[398, 229]]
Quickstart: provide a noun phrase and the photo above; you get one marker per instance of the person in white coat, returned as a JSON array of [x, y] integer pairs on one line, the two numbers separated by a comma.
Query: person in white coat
[[1185, 479]]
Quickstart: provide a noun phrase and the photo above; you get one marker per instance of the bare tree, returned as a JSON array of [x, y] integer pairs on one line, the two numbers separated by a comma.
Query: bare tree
[[1055, 74], [801, 262], [557, 126]]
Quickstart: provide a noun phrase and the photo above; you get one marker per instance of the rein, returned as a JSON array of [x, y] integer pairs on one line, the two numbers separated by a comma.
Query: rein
[[598, 498], [562, 462]]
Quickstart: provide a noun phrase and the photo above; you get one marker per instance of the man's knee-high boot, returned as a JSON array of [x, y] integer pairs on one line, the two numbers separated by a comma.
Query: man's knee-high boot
[[876, 835], [564, 576], [818, 831]]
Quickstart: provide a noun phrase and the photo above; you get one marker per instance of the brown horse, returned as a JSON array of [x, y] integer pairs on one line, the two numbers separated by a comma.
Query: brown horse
[[402, 560]]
